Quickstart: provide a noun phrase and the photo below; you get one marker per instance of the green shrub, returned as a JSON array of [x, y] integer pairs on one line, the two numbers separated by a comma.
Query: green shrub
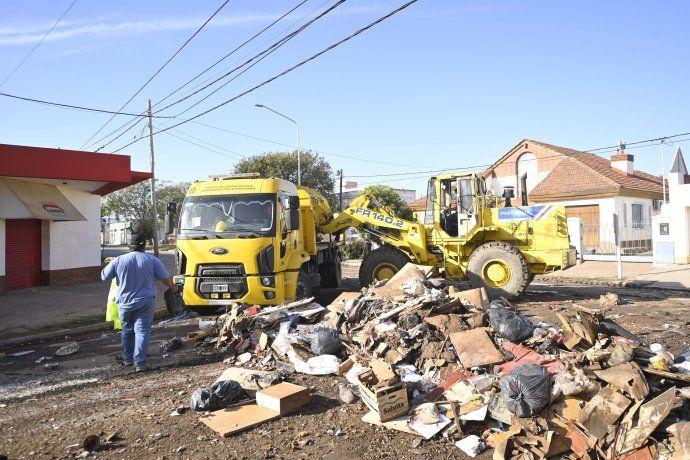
[[353, 248]]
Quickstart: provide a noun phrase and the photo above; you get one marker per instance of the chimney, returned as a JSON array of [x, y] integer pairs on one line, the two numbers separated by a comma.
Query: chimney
[[622, 162]]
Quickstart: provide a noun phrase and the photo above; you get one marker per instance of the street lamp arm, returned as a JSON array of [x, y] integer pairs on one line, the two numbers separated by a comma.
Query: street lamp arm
[[299, 152]]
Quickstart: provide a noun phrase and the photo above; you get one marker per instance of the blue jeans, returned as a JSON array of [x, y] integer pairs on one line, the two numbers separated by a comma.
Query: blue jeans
[[136, 331]]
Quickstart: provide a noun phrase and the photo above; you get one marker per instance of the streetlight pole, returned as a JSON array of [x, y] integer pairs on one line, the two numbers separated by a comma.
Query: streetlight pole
[[663, 172], [299, 160]]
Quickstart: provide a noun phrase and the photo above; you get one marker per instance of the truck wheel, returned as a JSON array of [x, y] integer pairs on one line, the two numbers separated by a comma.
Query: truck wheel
[[500, 268], [381, 264], [331, 274], [303, 286]]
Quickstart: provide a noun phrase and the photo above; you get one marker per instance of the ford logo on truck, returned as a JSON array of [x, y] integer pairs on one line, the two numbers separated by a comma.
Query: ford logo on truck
[[219, 251]]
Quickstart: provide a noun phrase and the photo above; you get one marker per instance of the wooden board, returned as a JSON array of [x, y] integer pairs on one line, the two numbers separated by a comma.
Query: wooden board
[[227, 422], [283, 398], [475, 348], [339, 303], [477, 297]]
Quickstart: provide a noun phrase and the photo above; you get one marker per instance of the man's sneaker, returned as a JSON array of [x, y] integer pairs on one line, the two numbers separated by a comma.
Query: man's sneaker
[[141, 368], [125, 363]]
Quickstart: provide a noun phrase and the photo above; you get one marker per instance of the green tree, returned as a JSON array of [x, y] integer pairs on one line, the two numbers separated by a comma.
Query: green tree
[[387, 196], [316, 171], [134, 204]]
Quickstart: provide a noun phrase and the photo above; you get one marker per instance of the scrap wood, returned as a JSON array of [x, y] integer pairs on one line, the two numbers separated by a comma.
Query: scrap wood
[[339, 302], [410, 271], [475, 348], [525, 355], [233, 420], [649, 452], [399, 423], [666, 374], [446, 324], [476, 297], [436, 393], [650, 415], [628, 377]]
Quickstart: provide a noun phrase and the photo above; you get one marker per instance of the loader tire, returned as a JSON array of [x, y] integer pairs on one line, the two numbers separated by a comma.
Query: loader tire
[[381, 264], [500, 268], [331, 274]]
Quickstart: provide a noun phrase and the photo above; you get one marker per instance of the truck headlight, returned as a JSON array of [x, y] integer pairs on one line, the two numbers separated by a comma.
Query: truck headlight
[[268, 281]]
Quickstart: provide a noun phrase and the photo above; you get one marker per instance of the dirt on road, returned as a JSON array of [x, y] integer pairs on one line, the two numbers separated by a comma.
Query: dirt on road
[[48, 414]]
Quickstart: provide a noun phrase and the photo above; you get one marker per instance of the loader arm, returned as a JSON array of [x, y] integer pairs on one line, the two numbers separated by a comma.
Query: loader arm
[[366, 214]]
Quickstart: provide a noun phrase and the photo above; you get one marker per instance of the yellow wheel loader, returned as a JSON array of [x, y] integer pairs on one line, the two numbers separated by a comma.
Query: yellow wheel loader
[[466, 234]]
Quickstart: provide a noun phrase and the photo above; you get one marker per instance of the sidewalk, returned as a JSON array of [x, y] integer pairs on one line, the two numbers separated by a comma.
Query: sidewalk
[[46, 308], [634, 274]]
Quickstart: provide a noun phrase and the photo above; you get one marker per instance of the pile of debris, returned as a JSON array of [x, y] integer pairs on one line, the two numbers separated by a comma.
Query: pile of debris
[[431, 360]]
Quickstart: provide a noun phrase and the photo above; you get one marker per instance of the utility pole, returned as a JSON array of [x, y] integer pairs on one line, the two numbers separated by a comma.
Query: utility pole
[[340, 173], [154, 211], [663, 172]]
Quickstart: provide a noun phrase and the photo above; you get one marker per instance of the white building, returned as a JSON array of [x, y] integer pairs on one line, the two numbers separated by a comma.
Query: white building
[[50, 213], [115, 232], [672, 227], [591, 187]]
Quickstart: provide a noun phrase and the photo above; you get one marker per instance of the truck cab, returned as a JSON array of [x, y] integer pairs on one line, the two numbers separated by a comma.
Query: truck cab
[[247, 239]]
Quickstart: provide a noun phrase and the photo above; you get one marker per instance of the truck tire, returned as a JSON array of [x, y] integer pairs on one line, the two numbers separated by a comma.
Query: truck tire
[[303, 286], [381, 264], [331, 274], [500, 268]]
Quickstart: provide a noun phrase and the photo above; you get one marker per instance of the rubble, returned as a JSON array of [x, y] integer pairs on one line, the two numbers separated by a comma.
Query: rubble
[[431, 360]]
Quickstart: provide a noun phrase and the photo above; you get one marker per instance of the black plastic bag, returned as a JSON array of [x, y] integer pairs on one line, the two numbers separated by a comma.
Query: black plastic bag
[[324, 341], [173, 301], [218, 396], [508, 323], [526, 390]]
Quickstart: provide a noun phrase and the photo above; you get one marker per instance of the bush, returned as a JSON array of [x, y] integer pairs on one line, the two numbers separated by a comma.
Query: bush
[[353, 249]]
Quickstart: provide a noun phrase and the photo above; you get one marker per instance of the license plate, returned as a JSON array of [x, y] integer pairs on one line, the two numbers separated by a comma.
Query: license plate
[[220, 288]]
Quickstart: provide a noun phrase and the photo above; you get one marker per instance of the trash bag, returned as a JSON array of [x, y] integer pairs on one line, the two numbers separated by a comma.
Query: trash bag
[[111, 312], [218, 396], [324, 341], [172, 344], [526, 390], [173, 301], [509, 324]]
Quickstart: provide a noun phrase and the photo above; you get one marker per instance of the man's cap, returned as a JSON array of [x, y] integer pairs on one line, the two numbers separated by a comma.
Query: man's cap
[[137, 241]]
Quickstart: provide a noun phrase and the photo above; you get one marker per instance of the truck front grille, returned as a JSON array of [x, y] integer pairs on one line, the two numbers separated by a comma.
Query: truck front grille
[[225, 280], [221, 270]]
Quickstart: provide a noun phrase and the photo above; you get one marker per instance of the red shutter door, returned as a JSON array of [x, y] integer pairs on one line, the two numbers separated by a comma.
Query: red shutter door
[[22, 253]]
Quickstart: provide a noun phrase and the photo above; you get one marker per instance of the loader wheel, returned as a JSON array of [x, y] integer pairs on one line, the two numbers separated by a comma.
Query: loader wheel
[[500, 268], [381, 264], [303, 286], [331, 274]]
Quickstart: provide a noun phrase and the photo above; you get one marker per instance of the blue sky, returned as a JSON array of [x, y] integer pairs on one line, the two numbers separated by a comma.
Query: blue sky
[[444, 84]]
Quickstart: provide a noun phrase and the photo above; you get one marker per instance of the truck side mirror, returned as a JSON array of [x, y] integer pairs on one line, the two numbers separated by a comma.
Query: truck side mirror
[[293, 202], [292, 219], [170, 210]]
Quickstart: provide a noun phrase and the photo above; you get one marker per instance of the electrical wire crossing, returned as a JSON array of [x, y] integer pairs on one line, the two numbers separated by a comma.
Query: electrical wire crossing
[[75, 107], [128, 126], [28, 55], [160, 69], [286, 71]]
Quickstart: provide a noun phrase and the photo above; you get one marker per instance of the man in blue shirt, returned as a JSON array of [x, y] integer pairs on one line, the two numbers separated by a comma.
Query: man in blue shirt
[[136, 274]]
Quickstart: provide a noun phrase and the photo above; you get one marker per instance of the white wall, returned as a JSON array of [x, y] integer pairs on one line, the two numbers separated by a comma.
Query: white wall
[[625, 202], [679, 211], [2, 247], [77, 244]]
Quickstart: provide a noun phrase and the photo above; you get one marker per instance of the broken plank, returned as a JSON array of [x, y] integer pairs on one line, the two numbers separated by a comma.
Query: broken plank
[[475, 348], [666, 374]]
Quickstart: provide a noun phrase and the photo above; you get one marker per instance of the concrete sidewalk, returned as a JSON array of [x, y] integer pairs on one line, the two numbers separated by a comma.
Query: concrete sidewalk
[[634, 274], [46, 308]]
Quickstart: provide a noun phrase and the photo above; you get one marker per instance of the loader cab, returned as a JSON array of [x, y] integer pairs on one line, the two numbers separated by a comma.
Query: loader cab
[[454, 202]]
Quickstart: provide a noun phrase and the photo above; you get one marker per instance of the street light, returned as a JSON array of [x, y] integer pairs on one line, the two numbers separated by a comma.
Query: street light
[[299, 163]]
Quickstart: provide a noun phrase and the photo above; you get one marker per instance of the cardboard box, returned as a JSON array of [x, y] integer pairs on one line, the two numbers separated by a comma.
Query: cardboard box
[[388, 401], [283, 398]]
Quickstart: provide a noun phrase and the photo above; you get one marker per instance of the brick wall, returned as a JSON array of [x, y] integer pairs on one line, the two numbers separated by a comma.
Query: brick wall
[[68, 276], [2, 285], [546, 160]]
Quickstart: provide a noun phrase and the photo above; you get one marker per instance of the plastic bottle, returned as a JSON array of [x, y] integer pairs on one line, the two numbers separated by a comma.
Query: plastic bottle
[[662, 359]]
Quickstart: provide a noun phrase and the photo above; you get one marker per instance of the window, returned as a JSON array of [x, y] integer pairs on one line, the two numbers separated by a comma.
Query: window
[[637, 221]]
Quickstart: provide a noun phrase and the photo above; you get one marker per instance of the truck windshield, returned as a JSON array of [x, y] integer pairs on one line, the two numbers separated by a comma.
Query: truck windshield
[[228, 216]]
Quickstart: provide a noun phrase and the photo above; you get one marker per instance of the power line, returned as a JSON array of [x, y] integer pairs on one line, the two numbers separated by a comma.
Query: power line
[[639, 142], [250, 39], [189, 81], [75, 107], [198, 145], [28, 55], [253, 60], [159, 70], [287, 71]]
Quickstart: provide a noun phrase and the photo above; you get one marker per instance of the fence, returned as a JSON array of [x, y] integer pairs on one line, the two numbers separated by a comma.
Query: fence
[[599, 242]]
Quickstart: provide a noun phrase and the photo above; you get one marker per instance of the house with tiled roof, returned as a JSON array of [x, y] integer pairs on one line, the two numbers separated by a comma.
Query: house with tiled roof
[[590, 186], [418, 207]]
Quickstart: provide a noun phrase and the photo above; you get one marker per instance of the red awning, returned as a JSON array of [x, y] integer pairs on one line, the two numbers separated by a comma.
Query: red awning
[[98, 173]]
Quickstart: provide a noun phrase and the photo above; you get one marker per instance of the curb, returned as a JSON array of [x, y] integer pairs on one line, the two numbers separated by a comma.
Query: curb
[[611, 283], [45, 336]]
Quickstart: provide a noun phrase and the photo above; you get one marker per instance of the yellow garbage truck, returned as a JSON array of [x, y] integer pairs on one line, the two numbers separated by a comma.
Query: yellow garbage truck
[[243, 238]]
